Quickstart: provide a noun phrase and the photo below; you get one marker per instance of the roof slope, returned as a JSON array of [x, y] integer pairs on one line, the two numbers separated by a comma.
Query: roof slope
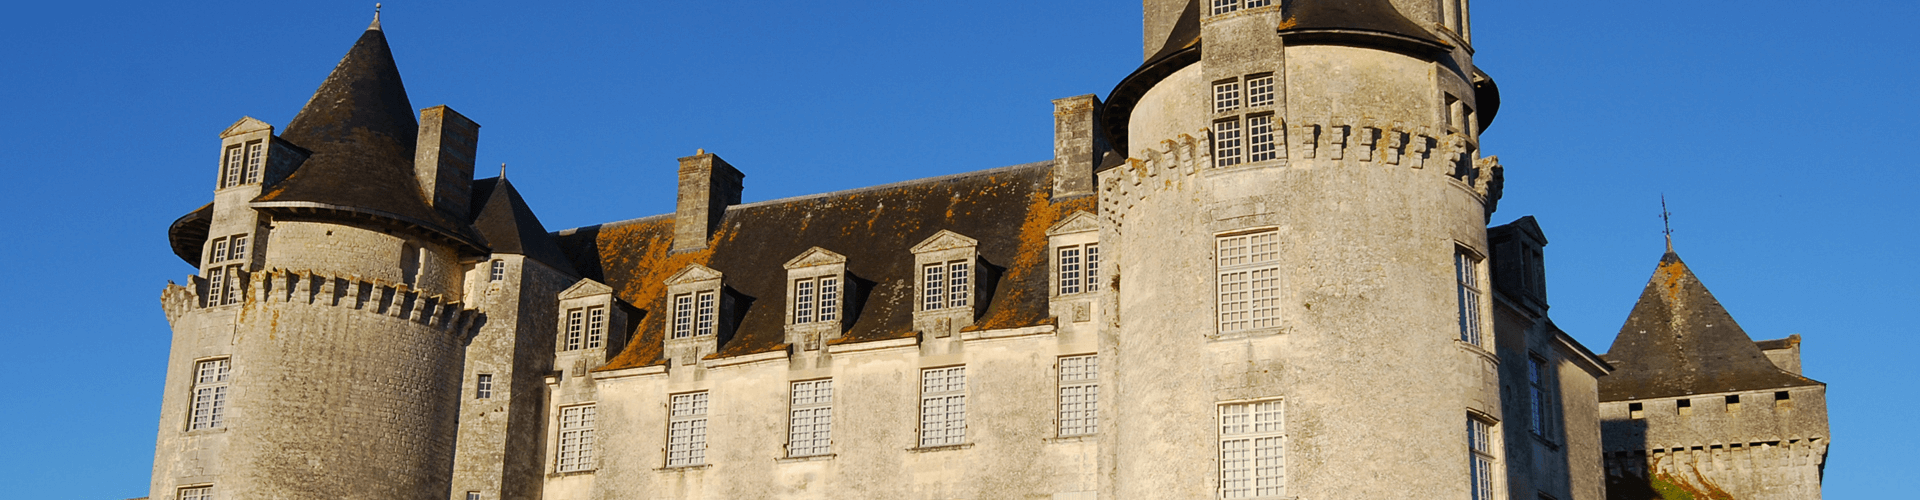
[[1008, 210], [362, 132], [1679, 340], [509, 226]]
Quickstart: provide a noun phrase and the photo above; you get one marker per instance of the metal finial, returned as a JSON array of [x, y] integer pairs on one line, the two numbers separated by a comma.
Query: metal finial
[[376, 19], [1666, 222]]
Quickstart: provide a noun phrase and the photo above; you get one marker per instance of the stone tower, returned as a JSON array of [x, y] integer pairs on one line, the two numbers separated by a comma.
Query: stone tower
[[1698, 406], [318, 352], [1305, 174]]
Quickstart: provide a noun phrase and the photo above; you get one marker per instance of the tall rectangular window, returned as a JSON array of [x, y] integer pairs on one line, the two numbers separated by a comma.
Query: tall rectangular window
[[576, 438], [829, 299], [596, 326], [1538, 395], [239, 249], [1070, 281], [1259, 89], [803, 302], [943, 406], [683, 316], [576, 329], [1226, 142], [1249, 281], [483, 386], [1467, 273], [256, 153], [1226, 96], [1253, 450], [216, 286], [959, 284], [1480, 452], [498, 271], [810, 423], [196, 493], [704, 314], [687, 430], [1260, 146], [1079, 395], [210, 394], [1093, 267], [230, 176]]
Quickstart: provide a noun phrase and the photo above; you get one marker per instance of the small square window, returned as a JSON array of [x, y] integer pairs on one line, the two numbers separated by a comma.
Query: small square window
[[1226, 96], [1259, 90], [483, 386]]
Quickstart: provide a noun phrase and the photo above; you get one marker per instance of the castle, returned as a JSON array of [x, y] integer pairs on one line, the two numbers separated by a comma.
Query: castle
[[1261, 268]]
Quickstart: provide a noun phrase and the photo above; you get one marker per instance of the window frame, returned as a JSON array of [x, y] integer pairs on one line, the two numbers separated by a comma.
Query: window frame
[[1481, 461], [940, 399], [1469, 297], [212, 389], [1239, 278], [196, 492], [576, 425], [596, 336], [483, 386], [255, 160], [574, 337], [1079, 395], [1229, 141], [1541, 397], [497, 271], [687, 429], [1234, 426], [817, 439]]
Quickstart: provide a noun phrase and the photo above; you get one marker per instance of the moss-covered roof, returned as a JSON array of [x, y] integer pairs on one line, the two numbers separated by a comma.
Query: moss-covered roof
[[1007, 209]]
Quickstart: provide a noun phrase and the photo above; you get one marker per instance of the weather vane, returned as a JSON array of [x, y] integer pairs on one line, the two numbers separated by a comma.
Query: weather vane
[[1666, 222]]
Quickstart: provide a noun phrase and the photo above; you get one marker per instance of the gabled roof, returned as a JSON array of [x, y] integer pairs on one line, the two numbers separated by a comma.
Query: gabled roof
[[362, 132], [508, 225], [1679, 340], [1007, 210]]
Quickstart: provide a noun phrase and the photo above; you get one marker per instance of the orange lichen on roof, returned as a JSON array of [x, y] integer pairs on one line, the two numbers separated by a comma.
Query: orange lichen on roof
[[1030, 262], [642, 250], [1672, 270]]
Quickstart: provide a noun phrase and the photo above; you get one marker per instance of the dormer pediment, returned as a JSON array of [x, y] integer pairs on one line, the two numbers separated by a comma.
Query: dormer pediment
[[247, 124], [693, 273], [585, 288], [944, 240], [815, 256], [1079, 222]]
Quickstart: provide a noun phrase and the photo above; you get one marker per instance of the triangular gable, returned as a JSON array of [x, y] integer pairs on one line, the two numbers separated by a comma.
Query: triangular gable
[[944, 240], [693, 273], [585, 288], [245, 125], [815, 256], [1679, 340], [1079, 222]]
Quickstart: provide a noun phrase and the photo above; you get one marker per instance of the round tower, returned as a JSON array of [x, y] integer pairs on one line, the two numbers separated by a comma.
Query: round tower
[[1299, 225], [318, 354]]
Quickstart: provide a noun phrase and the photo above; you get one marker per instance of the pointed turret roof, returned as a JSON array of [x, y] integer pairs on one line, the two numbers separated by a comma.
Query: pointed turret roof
[[362, 131], [509, 226], [1679, 340]]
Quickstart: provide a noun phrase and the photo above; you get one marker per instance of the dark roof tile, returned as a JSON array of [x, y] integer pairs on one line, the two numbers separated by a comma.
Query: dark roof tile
[[1679, 340]]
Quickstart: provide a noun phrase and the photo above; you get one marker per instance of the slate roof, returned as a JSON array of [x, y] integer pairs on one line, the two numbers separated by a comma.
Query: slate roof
[[1007, 209], [362, 132], [508, 225], [1371, 23], [1679, 340]]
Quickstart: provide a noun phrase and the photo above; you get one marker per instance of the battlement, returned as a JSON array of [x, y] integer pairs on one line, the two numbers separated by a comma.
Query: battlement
[[376, 296], [1306, 145]]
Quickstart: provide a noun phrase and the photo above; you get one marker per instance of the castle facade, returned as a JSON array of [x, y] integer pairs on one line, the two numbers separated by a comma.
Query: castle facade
[[1261, 268]]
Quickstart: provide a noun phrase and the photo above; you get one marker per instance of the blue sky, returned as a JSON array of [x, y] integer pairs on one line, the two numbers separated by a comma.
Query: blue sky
[[1782, 135]]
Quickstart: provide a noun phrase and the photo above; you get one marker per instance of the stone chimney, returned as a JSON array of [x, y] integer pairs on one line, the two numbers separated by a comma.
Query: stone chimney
[[1078, 144], [443, 161], [708, 185]]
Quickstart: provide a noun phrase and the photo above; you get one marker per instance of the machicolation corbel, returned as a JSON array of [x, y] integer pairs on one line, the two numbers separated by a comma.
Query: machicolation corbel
[[1309, 136], [1368, 137], [1337, 141]]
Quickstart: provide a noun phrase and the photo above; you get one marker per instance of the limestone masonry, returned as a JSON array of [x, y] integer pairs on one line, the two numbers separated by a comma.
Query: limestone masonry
[[1261, 268]]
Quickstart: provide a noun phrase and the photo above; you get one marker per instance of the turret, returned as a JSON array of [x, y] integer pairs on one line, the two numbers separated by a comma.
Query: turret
[[1304, 173], [320, 354]]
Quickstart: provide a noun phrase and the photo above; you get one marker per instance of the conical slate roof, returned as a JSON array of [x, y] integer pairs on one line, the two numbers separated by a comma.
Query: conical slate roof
[[1372, 23], [362, 132], [1679, 340], [509, 226]]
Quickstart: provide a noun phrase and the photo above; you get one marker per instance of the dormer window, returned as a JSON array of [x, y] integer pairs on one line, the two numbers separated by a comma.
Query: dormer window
[[693, 314], [242, 163], [589, 321], [816, 292], [947, 275], [586, 328]]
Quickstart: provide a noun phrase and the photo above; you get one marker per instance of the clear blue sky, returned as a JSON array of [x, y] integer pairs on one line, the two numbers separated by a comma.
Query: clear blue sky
[[1782, 133]]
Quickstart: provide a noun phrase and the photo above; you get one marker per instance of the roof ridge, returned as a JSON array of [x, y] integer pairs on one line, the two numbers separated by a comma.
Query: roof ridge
[[830, 194]]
